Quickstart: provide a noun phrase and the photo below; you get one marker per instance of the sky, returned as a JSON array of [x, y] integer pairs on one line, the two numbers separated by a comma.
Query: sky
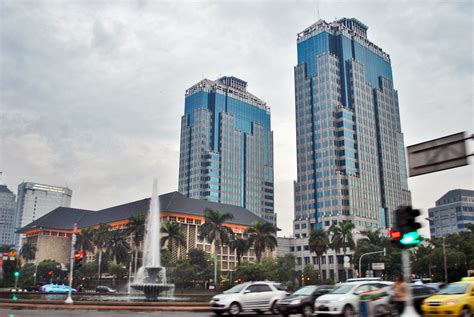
[[92, 92]]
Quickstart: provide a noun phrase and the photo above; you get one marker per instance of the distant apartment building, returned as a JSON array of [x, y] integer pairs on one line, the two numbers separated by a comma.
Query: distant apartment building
[[453, 211], [226, 149], [36, 200], [7, 216], [350, 152]]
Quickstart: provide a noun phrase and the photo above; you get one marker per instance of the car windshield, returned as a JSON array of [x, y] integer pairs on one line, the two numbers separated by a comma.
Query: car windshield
[[307, 290], [235, 289], [342, 289], [458, 288]]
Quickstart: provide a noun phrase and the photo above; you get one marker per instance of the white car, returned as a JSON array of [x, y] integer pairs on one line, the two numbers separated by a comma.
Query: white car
[[344, 298], [257, 296]]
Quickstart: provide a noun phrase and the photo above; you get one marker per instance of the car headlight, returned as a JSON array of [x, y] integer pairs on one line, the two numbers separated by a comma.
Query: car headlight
[[295, 302], [452, 302]]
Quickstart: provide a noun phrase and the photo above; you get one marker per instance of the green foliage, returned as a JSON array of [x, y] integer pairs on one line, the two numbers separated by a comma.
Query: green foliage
[[310, 275], [27, 272], [281, 269], [46, 266], [192, 272], [286, 269], [165, 258], [262, 236], [240, 246], [28, 251], [117, 270], [341, 237], [174, 236], [249, 271], [87, 270], [84, 240], [118, 247]]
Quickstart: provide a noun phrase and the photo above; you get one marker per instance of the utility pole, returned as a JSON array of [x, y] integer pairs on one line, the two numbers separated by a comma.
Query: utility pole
[[71, 269], [409, 310], [445, 262]]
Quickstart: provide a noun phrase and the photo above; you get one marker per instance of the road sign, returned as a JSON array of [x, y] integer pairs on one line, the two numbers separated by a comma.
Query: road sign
[[378, 266], [346, 259], [369, 273], [437, 155]]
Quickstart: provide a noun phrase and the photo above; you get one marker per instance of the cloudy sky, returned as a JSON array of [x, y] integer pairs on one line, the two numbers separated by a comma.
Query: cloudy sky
[[92, 92]]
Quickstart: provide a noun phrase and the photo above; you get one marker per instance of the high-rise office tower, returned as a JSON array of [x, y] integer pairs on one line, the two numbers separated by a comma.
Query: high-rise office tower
[[226, 150], [350, 151], [36, 200], [7, 215]]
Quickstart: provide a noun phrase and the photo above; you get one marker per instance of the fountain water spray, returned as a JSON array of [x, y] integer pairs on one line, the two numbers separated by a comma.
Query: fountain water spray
[[151, 277]]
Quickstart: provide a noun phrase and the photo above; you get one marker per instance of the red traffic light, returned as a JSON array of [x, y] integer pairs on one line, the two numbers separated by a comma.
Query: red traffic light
[[395, 235], [50, 273], [79, 255]]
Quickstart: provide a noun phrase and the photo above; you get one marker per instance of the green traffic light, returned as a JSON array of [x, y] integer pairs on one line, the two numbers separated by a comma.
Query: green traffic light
[[16, 274], [411, 239]]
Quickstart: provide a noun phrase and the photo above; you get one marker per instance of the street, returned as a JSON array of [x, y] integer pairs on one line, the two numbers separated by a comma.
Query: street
[[47, 313]]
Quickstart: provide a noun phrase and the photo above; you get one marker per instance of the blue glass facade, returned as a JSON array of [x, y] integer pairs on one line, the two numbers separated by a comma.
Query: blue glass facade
[[350, 157], [226, 150]]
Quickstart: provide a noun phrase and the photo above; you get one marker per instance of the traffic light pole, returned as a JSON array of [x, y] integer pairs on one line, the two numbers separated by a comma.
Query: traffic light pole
[[71, 268], [409, 310]]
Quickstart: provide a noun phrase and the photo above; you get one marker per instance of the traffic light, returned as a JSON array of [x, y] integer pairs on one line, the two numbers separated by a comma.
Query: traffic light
[[50, 273], [78, 257], [16, 274], [405, 234]]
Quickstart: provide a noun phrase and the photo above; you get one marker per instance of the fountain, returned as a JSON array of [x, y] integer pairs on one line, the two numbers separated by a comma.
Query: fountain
[[151, 277]]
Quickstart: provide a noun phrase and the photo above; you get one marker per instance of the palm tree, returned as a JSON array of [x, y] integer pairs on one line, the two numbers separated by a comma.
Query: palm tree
[[319, 244], [28, 251], [214, 230], [118, 247], [342, 238], [136, 228], [371, 237], [240, 246], [262, 236], [84, 240], [174, 235], [100, 239]]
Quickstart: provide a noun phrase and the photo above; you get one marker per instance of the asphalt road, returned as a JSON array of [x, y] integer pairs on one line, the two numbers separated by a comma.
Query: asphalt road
[[47, 313]]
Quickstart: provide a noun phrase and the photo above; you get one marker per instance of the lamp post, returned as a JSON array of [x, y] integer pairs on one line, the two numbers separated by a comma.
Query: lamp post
[[384, 251], [71, 269]]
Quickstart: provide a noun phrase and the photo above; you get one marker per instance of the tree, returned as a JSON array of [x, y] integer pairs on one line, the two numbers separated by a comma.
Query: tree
[[372, 237], [248, 271], [286, 268], [262, 236], [136, 228], [174, 235], [319, 244], [240, 246], [100, 238], [28, 251], [342, 238], [84, 240], [310, 275], [214, 230], [118, 247]]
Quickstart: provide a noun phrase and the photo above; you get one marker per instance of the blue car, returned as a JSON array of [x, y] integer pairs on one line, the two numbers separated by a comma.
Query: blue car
[[55, 288]]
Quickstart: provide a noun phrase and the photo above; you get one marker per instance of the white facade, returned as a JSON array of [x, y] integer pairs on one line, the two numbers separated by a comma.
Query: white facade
[[36, 200]]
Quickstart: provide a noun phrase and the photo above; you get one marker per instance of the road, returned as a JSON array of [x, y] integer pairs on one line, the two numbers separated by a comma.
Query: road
[[67, 313]]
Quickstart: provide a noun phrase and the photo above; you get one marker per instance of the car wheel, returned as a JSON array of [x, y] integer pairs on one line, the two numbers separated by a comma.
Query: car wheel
[[234, 309], [348, 311], [307, 311], [465, 312], [274, 309]]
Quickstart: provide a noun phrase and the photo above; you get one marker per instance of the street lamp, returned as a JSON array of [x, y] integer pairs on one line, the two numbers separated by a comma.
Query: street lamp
[[384, 251]]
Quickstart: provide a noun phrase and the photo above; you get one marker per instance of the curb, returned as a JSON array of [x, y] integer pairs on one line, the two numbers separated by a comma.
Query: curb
[[104, 307]]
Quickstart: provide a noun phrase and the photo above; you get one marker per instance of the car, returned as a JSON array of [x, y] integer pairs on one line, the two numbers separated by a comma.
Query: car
[[256, 296], [344, 298], [55, 288], [384, 307], [104, 289], [455, 299], [302, 301]]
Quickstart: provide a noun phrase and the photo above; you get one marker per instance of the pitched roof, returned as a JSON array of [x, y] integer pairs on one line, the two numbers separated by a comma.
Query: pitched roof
[[64, 218]]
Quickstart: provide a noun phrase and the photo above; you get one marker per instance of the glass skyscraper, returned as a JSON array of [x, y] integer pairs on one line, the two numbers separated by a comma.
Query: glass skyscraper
[[350, 151], [226, 149]]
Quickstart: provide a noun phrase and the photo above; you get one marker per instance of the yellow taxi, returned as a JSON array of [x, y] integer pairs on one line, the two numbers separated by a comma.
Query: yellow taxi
[[456, 299]]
